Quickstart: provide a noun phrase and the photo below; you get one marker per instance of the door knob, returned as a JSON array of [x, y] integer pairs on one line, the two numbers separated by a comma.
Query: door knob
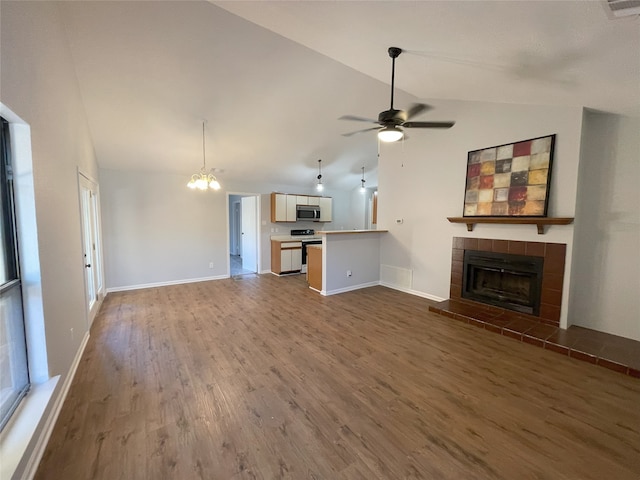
[[88, 265]]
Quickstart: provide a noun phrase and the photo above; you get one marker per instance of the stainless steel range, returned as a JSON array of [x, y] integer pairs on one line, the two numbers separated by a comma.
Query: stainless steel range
[[307, 236]]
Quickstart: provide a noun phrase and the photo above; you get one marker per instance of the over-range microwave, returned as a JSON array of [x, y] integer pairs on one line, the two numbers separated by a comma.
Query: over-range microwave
[[308, 213]]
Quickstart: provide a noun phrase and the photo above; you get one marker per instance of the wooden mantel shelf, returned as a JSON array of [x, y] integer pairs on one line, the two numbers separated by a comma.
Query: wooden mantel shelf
[[540, 222]]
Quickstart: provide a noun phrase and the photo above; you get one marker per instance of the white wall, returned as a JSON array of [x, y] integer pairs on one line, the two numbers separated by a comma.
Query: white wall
[[157, 231], [605, 292], [39, 85], [422, 181]]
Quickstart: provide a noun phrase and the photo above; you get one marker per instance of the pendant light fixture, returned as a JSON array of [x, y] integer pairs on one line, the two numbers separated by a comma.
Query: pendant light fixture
[[204, 180], [362, 181], [319, 186]]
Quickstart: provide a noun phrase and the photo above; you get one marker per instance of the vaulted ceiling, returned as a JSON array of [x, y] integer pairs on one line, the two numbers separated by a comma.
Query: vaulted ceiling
[[271, 78]]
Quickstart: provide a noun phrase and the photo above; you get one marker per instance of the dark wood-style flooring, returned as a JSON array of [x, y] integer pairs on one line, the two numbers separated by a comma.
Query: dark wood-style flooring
[[262, 378]]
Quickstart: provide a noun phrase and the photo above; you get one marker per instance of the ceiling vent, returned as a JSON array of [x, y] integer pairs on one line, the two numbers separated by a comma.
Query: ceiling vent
[[623, 8]]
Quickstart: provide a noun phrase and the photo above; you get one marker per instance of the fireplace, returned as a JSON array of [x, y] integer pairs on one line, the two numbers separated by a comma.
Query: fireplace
[[549, 286], [509, 281]]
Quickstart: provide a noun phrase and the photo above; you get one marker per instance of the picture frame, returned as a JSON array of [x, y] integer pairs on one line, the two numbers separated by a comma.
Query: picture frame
[[510, 180]]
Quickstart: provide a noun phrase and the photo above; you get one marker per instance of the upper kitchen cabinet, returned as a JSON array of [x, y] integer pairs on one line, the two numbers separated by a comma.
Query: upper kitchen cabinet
[[326, 205], [283, 206]]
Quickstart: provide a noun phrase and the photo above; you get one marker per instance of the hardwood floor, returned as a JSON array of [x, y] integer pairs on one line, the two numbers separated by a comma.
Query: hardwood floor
[[262, 378]]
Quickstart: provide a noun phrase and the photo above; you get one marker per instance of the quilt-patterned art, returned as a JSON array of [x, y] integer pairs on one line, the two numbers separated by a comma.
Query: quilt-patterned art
[[510, 180]]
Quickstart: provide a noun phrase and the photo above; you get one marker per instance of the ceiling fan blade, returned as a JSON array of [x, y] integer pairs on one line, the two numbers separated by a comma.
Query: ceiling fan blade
[[428, 124], [417, 109], [357, 119], [360, 131]]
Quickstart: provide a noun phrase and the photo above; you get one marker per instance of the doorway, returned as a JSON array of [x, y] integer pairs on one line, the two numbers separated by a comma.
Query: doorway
[[244, 219], [91, 244]]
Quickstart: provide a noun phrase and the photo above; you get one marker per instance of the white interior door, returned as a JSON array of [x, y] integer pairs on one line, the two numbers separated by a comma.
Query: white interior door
[[91, 244], [249, 233], [237, 229]]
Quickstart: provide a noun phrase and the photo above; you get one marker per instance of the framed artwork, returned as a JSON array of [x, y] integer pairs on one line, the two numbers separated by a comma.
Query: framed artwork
[[510, 180]]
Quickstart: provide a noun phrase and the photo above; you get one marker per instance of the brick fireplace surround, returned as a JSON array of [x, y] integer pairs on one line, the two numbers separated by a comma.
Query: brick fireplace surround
[[610, 351]]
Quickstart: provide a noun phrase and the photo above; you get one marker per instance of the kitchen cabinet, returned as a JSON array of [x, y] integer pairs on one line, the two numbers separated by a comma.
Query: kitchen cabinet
[[286, 256], [283, 207], [326, 205]]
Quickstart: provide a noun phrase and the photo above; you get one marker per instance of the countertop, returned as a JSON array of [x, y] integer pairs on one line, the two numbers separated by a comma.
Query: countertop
[[289, 238], [344, 232]]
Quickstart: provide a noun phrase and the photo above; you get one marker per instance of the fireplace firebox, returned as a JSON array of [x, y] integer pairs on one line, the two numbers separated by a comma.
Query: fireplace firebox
[[505, 280]]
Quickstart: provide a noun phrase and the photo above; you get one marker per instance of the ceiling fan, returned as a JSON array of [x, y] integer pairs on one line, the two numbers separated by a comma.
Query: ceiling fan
[[391, 122]]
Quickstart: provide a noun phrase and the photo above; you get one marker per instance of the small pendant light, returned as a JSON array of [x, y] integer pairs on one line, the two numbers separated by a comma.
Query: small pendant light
[[319, 186]]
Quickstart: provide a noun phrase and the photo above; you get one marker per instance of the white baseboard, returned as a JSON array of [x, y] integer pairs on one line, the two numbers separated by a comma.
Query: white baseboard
[[414, 292], [350, 288], [165, 284], [31, 463]]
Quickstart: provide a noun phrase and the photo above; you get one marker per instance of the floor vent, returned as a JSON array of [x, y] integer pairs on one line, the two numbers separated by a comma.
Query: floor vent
[[624, 8]]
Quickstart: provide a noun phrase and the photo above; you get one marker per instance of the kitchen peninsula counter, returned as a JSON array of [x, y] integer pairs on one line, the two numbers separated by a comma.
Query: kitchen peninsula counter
[[350, 260]]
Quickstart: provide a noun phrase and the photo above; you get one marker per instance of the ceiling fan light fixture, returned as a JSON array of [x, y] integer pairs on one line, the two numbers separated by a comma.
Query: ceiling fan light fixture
[[390, 134]]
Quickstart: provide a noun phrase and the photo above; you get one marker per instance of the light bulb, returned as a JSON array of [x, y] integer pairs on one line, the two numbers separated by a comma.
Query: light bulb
[[319, 187], [390, 134]]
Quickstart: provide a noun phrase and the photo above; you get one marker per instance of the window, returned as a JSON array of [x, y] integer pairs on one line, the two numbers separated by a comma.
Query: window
[[14, 373]]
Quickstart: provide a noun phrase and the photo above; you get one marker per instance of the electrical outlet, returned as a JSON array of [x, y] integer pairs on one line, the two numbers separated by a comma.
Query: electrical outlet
[[399, 221], [210, 264], [348, 273]]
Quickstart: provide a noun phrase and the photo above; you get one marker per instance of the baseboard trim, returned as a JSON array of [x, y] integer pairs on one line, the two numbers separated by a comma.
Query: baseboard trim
[[350, 288], [164, 284], [417, 293], [33, 461]]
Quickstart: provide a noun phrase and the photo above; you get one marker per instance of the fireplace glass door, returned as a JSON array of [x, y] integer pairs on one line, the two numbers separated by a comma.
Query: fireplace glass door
[[504, 280]]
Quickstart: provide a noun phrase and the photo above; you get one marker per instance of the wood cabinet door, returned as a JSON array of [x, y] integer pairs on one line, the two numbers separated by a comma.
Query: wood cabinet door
[[291, 208], [326, 204], [296, 259], [278, 207], [285, 260]]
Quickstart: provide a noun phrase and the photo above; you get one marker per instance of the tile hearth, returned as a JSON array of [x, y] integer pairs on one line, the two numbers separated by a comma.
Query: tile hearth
[[610, 351]]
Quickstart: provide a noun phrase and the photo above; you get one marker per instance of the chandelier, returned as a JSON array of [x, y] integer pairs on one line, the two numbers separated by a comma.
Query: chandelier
[[204, 180]]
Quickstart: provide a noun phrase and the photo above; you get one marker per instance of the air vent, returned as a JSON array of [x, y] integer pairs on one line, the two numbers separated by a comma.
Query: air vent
[[624, 8]]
